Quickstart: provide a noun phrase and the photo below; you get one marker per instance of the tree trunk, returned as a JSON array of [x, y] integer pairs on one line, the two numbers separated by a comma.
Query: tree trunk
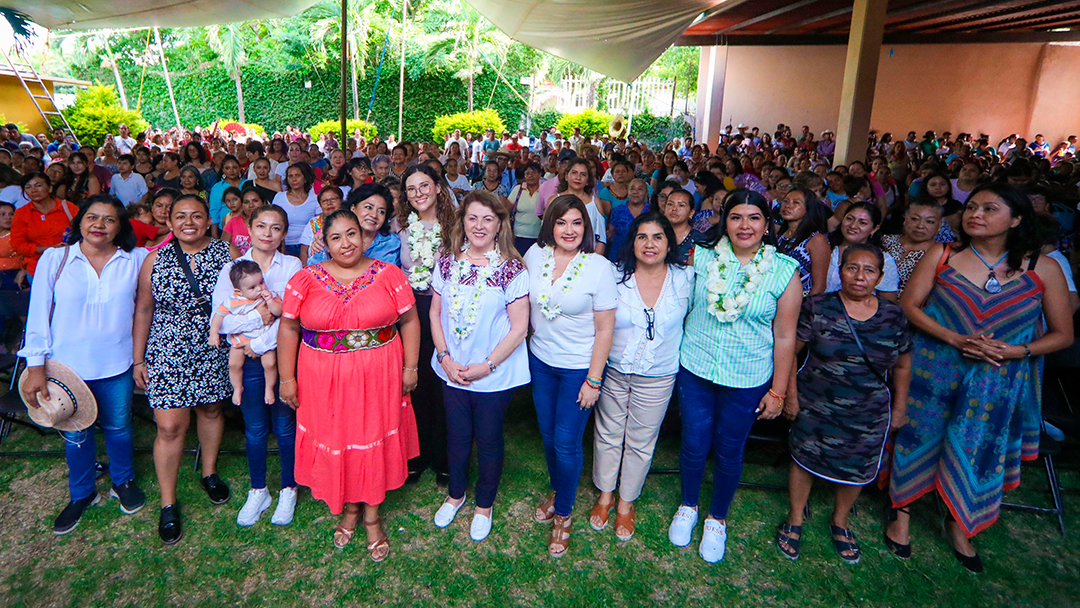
[[239, 99]]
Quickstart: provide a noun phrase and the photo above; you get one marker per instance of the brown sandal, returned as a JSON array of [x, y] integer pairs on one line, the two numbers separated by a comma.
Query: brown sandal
[[342, 536], [624, 525], [560, 536], [379, 549], [600, 513], [546, 511]]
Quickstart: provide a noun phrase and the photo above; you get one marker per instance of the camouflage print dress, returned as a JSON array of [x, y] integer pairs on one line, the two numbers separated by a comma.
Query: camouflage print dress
[[844, 409]]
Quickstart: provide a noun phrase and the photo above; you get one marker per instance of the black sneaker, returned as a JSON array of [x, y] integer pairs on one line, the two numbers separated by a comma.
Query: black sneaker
[[169, 528], [215, 489], [131, 497], [72, 513]]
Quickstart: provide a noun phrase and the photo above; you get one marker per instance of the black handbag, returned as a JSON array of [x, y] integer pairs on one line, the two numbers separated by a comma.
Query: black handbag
[[200, 298]]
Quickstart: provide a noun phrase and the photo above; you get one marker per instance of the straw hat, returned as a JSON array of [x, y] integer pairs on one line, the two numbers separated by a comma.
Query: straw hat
[[70, 406]]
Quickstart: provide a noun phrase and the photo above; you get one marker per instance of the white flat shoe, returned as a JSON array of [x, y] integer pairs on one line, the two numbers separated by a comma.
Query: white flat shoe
[[713, 541], [682, 526], [480, 528], [447, 512]]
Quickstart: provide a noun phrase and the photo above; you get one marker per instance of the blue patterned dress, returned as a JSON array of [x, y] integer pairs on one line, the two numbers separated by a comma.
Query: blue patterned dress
[[971, 423]]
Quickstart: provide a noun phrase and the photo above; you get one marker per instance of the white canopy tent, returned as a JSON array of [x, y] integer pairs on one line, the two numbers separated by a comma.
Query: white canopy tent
[[96, 14]]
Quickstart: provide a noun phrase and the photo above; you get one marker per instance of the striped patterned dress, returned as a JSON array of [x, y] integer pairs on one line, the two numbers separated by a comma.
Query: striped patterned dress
[[970, 423]]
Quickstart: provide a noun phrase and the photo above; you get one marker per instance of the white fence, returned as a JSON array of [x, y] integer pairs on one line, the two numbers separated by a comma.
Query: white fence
[[572, 94]]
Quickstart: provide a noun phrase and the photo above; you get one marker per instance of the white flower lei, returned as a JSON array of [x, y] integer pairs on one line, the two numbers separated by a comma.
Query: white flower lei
[[573, 271], [465, 302], [727, 304], [423, 244]]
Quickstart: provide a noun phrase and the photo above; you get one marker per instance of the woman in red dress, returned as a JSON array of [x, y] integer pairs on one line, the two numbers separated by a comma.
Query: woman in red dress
[[348, 348]]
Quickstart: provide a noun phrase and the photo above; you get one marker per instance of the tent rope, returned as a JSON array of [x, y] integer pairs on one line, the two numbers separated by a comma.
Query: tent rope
[[378, 73]]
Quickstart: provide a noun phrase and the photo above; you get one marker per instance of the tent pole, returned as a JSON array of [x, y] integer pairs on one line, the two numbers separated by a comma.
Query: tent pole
[[401, 84], [344, 71], [168, 81], [115, 71]]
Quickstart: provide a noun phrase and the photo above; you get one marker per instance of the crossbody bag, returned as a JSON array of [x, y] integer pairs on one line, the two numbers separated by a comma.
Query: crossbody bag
[[182, 261]]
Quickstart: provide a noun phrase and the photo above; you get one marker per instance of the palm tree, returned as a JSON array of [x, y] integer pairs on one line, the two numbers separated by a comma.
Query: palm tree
[[228, 44], [20, 23], [467, 40]]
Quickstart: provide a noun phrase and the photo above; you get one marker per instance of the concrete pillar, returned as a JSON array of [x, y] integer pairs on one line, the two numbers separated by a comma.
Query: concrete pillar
[[712, 68], [860, 78]]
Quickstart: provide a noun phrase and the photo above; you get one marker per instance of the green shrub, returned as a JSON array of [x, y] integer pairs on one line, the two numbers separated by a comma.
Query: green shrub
[[658, 130], [368, 130], [591, 122], [23, 128], [97, 112], [541, 121], [476, 121]]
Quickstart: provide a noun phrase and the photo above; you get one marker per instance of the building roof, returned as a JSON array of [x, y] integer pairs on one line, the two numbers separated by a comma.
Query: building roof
[[780, 22], [7, 73]]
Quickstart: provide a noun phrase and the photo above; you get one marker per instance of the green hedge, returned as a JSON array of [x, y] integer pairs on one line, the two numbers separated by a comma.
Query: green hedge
[[368, 130], [96, 113], [477, 121], [589, 120]]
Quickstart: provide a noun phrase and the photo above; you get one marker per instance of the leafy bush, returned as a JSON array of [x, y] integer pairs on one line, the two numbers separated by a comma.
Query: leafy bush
[[367, 130], [97, 112], [476, 121], [23, 128], [658, 130], [541, 121], [591, 122]]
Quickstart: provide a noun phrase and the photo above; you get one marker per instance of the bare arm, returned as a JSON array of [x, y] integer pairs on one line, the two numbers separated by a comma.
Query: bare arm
[[820, 256], [900, 377], [215, 329], [791, 398], [409, 328], [604, 323], [787, 319], [288, 348], [144, 315], [304, 253]]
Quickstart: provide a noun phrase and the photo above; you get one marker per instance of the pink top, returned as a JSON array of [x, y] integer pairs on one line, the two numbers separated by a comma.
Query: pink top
[[238, 230]]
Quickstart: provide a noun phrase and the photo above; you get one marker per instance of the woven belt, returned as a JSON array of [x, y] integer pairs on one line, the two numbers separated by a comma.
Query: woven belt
[[348, 340]]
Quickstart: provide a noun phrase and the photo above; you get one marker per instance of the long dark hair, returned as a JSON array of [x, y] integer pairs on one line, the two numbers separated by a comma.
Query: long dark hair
[[590, 187], [344, 177], [305, 170], [815, 220], [1023, 240], [740, 196], [836, 237], [555, 211], [125, 238], [627, 262], [356, 195]]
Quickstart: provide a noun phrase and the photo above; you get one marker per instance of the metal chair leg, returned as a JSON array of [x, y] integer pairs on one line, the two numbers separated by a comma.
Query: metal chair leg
[[198, 453], [1055, 491]]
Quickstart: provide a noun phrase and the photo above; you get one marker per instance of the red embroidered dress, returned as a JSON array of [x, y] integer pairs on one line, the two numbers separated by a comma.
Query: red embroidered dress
[[355, 432]]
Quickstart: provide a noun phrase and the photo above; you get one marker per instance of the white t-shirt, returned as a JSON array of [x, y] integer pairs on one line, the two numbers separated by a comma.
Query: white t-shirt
[[273, 169], [280, 170], [509, 282], [599, 224], [1062, 261], [632, 352], [461, 183], [14, 195], [299, 215], [890, 282], [125, 145], [567, 340]]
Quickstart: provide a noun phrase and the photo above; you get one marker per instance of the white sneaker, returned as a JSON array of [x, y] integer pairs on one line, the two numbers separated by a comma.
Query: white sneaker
[[713, 541], [481, 527], [447, 512], [286, 505], [257, 502], [682, 526]]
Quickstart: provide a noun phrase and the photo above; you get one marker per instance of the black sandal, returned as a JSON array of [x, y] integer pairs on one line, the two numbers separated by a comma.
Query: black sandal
[[783, 537], [849, 545], [901, 551]]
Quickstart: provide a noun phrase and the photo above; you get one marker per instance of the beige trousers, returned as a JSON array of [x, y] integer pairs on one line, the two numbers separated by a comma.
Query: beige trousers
[[628, 417]]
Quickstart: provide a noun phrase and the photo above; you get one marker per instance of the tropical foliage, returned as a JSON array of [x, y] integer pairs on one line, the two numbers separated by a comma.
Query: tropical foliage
[[368, 130], [469, 122], [97, 112], [590, 121]]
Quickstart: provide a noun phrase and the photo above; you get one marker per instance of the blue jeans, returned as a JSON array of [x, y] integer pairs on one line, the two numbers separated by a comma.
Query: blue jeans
[[562, 427], [716, 418], [113, 397], [258, 420], [471, 415]]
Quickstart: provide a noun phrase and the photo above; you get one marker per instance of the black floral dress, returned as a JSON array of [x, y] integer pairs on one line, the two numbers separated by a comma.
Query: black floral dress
[[184, 369], [844, 409]]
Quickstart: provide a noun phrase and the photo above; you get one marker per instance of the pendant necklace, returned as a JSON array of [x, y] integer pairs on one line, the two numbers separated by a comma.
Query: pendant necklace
[[992, 284]]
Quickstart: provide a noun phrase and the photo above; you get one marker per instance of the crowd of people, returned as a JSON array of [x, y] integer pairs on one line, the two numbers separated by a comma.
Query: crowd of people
[[377, 305]]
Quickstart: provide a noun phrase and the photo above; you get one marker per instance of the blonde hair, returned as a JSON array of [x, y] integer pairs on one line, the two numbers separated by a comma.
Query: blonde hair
[[504, 240]]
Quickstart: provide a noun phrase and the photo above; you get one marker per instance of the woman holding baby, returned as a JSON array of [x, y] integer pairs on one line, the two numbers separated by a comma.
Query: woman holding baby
[[256, 295]]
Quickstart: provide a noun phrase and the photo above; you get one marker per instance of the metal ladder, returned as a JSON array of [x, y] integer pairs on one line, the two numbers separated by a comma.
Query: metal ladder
[[28, 76]]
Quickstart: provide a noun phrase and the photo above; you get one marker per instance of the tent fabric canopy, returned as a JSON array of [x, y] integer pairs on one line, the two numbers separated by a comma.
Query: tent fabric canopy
[[618, 38], [94, 14]]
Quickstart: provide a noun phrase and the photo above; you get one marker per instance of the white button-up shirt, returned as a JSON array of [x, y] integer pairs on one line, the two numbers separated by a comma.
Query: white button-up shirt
[[129, 190], [282, 268], [632, 352], [92, 323]]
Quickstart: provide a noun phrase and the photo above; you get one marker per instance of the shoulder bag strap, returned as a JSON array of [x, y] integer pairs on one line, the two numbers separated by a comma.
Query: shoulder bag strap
[[181, 259], [858, 342], [63, 262], [67, 212]]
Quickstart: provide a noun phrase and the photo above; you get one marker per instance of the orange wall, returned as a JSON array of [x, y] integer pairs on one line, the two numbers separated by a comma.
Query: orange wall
[[990, 88], [16, 105]]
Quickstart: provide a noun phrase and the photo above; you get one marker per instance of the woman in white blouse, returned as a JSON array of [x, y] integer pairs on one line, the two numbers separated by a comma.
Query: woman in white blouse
[[479, 318], [92, 284], [861, 222], [572, 298], [299, 202], [654, 297]]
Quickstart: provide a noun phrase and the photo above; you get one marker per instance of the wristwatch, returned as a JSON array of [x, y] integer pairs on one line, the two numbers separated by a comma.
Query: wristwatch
[[491, 366], [439, 356]]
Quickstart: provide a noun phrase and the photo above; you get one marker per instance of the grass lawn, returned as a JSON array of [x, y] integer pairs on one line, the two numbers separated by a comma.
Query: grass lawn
[[118, 560]]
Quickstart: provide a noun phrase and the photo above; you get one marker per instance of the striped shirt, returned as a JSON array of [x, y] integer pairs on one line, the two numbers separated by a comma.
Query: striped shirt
[[737, 354]]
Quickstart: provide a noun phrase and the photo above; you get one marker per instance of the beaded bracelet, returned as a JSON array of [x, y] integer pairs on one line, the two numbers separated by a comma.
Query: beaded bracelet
[[777, 396], [593, 382]]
